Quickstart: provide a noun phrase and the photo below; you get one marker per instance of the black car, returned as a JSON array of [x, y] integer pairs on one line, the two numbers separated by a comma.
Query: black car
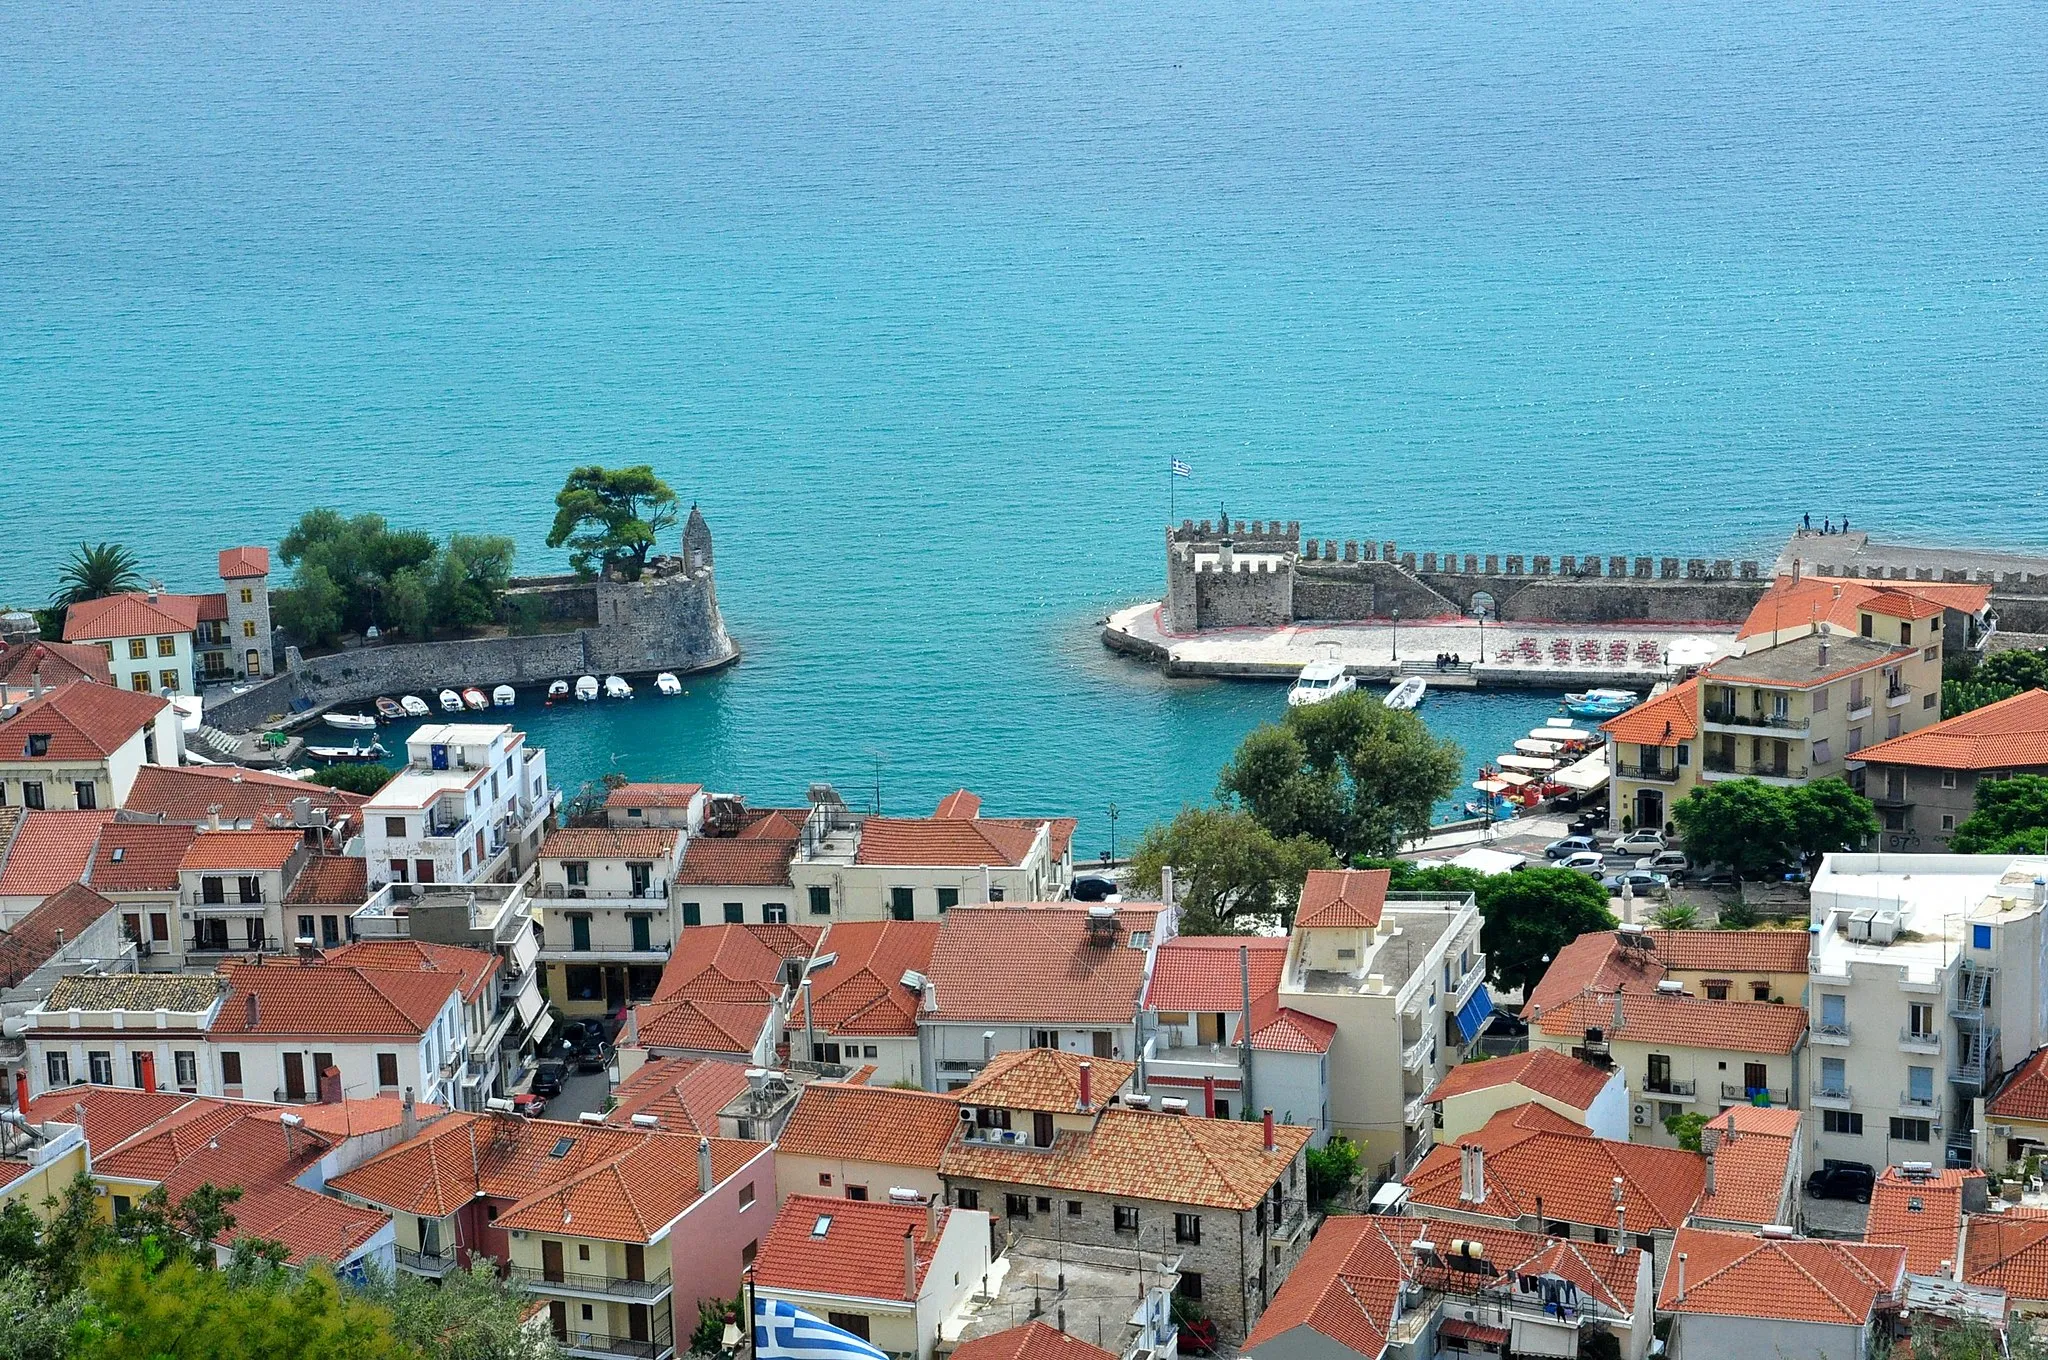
[[1842, 1180], [594, 1057], [547, 1078], [1093, 888]]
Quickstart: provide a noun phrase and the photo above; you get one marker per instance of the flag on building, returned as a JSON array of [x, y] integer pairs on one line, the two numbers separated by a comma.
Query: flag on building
[[783, 1331], [1181, 469]]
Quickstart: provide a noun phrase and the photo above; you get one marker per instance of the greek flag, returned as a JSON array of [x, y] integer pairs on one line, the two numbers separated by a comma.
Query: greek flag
[[783, 1331], [1181, 469]]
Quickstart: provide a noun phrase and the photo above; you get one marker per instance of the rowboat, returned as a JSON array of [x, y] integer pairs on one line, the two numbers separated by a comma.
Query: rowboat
[[475, 700], [451, 702], [504, 696], [557, 689], [667, 683], [414, 706], [388, 709], [615, 687], [1405, 696], [586, 688]]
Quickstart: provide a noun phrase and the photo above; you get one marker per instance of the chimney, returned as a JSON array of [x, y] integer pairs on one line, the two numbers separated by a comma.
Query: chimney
[[1620, 1229], [1619, 1018], [408, 1120], [213, 817], [255, 1011], [1166, 885], [704, 1166], [1731, 1123], [156, 588], [909, 1264], [1208, 1097], [1711, 1159], [988, 1047], [35, 682], [1472, 1176], [1681, 1277], [1087, 1085], [1268, 1121], [21, 1091], [810, 1042], [931, 1218], [148, 1074]]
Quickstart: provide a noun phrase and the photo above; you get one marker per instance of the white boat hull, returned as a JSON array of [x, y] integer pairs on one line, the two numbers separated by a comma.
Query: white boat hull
[[350, 722], [1407, 695]]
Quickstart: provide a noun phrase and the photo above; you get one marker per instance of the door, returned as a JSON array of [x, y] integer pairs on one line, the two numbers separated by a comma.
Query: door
[[1649, 808], [636, 1265], [643, 939], [1041, 1128], [294, 1077], [321, 1062], [642, 876], [1754, 1078], [579, 931], [636, 1321], [1208, 1028], [253, 659], [551, 1260], [558, 1319], [1659, 1078], [614, 989], [1102, 1043], [423, 870]]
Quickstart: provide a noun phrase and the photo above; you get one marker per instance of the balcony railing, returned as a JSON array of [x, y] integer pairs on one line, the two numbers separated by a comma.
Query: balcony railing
[[1859, 709], [1683, 1090], [1919, 1041], [1910, 1101], [1415, 1111], [601, 1344], [1894, 698], [1772, 1095], [1836, 1093], [1831, 1031], [1729, 717], [234, 946], [543, 1281], [1417, 1053], [434, 1263]]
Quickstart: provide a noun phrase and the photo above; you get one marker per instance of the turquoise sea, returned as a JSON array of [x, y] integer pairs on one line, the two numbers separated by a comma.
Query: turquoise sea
[[918, 300]]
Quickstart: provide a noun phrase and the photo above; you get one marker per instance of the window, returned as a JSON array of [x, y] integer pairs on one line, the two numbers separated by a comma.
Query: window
[[1190, 1286], [1912, 1130], [1834, 1077], [100, 1067], [166, 646], [747, 1252], [775, 913], [1822, 751], [387, 1070], [167, 681], [305, 928], [248, 628], [1833, 1012], [85, 794], [1927, 700], [735, 913], [1842, 1121], [967, 1199], [995, 894], [160, 926], [1948, 779], [31, 793], [138, 649], [1820, 700], [1920, 1086], [1187, 1228], [1123, 1217], [1866, 624], [1044, 1204], [60, 1069], [576, 873], [1017, 1206], [1045, 1038], [949, 898], [1073, 1208], [1760, 991], [231, 1069], [747, 1195], [1717, 991], [1684, 755], [1920, 1020], [693, 915], [1980, 936], [821, 899], [394, 827], [1948, 821], [901, 903], [248, 595], [856, 1323]]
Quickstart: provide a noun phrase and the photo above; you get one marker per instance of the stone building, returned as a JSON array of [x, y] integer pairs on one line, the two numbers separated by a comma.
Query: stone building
[[1925, 783]]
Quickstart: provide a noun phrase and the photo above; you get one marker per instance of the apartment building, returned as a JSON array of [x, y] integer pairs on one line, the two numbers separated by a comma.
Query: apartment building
[[1925, 783], [854, 867], [160, 643], [1925, 984], [861, 996], [1796, 605], [470, 806], [232, 887], [726, 993], [864, 1142], [80, 747], [1766, 1294], [1402, 979], [1656, 753], [607, 914], [1719, 965]]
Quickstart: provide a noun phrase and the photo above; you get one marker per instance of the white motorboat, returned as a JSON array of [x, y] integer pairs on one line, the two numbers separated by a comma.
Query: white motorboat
[[615, 687], [1320, 680], [414, 706], [586, 688], [667, 683], [451, 702], [475, 700], [349, 754], [350, 722], [1407, 696], [504, 696], [557, 689]]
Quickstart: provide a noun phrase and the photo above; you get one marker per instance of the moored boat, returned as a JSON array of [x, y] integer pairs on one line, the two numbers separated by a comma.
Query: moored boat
[[414, 706], [1600, 703], [557, 689], [348, 754], [615, 687], [586, 688], [1407, 695], [1320, 680], [667, 683], [388, 709], [451, 702], [504, 696], [475, 700], [350, 722]]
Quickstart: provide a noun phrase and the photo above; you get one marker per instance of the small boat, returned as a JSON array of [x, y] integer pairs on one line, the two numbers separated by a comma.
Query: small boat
[[1406, 696], [345, 754], [474, 698], [388, 709], [667, 683], [557, 689], [1320, 680], [1595, 708], [350, 722], [586, 688], [451, 702], [615, 687], [504, 696], [414, 706]]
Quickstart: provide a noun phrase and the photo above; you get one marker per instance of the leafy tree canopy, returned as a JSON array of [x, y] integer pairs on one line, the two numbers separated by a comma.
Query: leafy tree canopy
[[96, 571], [352, 574], [185, 1312], [610, 518], [2011, 817], [1230, 871], [1686, 1129], [1750, 826], [1999, 676], [468, 1315], [1350, 772], [363, 779], [1530, 915]]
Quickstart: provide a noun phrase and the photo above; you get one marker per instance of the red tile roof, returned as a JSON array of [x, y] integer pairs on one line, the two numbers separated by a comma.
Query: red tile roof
[[653, 795], [848, 1248], [1666, 720], [139, 857], [861, 990], [1037, 963], [1342, 898], [320, 999], [1594, 962], [1924, 1216], [1532, 1151], [35, 939], [1736, 951], [1798, 603], [1193, 973], [82, 722], [633, 1196], [2008, 1251], [1044, 1079], [1681, 1020], [49, 850], [237, 564], [1542, 1070], [777, 824], [1781, 1279], [733, 962], [470, 969], [685, 1096], [232, 850], [1170, 1159], [1292, 1031], [737, 861], [55, 663], [2010, 734], [870, 1124], [331, 880], [1032, 1341], [959, 804], [683, 1022], [111, 1114], [2024, 1092], [611, 842], [189, 793], [945, 842], [1753, 1169], [132, 614]]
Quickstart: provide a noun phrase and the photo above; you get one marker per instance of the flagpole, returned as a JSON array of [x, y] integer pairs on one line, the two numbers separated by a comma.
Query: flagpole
[[1170, 490]]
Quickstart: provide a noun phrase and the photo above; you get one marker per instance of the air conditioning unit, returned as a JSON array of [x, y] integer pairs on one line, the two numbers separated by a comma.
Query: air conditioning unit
[[1859, 923], [1641, 1113], [1884, 927], [2001, 1130]]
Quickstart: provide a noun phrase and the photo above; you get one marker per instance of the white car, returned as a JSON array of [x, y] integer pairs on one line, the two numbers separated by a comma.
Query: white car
[[1638, 843], [1585, 861], [1671, 862]]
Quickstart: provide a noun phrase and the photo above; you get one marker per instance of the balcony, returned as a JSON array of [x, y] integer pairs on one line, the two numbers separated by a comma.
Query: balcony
[[1896, 698], [1467, 985], [1753, 1095], [1859, 709], [1725, 716], [1416, 1054], [1416, 1113], [1835, 1096], [542, 1281], [267, 944], [602, 1347], [1716, 767], [1659, 773], [1829, 1032], [1670, 1088], [1916, 1104], [1914, 1041], [433, 1264]]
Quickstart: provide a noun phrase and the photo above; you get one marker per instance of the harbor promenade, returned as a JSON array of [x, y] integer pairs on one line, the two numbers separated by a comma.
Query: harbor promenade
[[1492, 655]]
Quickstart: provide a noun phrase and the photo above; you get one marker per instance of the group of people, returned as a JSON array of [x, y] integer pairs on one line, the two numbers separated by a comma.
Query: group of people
[[1447, 660], [1827, 526]]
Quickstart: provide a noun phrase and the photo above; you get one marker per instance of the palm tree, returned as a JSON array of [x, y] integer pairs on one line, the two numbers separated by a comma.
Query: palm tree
[[93, 573]]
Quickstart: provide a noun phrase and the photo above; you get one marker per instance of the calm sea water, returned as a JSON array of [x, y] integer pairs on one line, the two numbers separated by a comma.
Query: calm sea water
[[918, 300]]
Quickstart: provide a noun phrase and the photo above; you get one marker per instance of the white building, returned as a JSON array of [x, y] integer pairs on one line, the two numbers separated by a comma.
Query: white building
[[853, 867], [158, 643], [470, 806], [80, 746]]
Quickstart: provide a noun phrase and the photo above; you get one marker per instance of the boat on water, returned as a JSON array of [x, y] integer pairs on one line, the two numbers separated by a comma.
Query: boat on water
[[414, 706], [557, 689], [388, 709], [475, 700], [1600, 703], [451, 702], [1320, 680], [350, 722], [1406, 696], [361, 755], [504, 696], [586, 688], [667, 683], [615, 687]]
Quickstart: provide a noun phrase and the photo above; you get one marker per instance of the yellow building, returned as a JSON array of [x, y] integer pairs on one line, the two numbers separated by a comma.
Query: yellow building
[[1656, 757]]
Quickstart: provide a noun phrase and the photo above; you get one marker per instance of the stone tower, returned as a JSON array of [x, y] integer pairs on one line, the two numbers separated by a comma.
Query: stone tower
[[696, 543], [245, 579]]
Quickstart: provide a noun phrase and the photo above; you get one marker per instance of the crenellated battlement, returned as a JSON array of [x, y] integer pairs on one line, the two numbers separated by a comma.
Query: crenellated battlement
[[1576, 566]]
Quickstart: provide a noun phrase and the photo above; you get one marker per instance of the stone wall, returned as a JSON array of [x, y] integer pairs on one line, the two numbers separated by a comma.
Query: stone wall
[[552, 599], [1363, 590], [1245, 596]]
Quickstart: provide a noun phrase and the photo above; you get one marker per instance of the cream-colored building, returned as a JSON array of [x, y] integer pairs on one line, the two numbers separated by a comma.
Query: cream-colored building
[[864, 1142], [853, 867], [80, 746], [607, 914]]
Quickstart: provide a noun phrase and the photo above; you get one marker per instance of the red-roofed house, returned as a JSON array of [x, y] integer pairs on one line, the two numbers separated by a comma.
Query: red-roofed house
[[889, 1273], [679, 1096], [234, 886], [1470, 1094], [1749, 1294], [725, 993], [1795, 605], [851, 867], [2020, 1108], [1923, 1213], [608, 917], [135, 866], [681, 806], [168, 644], [1032, 1341], [1655, 750], [860, 1142], [80, 747], [29, 668], [46, 851], [1925, 783], [862, 995], [234, 798]]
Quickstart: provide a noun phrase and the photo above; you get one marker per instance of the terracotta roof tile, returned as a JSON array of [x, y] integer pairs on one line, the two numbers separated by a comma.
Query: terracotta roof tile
[[1532, 1151], [1037, 963], [1782, 1279], [237, 564], [1924, 1216], [685, 1096], [80, 722], [1343, 898], [2010, 734], [131, 614], [331, 880], [631, 1197], [871, 1124], [683, 1022], [1292, 1031], [139, 857], [1666, 720], [937, 842], [775, 824], [611, 842], [312, 1227], [861, 991], [2008, 1251], [733, 962], [1032, 1341], [1738, 951], [111, 1114], [56, 663], [469, 969], [1171, 1159], [1044, 1079], [738, 861], [1543, 1070], [35, 939], [844, 1247], [1199, 972], [2024, 1092], [50, 849], [231, 850], [188, 993], [1798, 603], [1594, 962], [1752, 1170], [1686, 1021], [245, 797], [330, 1000], [961, 804], [653, 795]]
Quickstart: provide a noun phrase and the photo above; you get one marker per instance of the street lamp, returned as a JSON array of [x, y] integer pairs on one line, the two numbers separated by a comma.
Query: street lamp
[[1482, 635], [1112, 832], [1397, 635]]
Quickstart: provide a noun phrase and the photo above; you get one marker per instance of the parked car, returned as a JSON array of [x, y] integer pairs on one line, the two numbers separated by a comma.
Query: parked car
[[547, 1078], [1638, 843], [1842, 1180], [1585, 861], [1568, 845], [594, 1056], [531, 1105], [1094, 888], [1671, 863], [1639, 880], [1714, 876]]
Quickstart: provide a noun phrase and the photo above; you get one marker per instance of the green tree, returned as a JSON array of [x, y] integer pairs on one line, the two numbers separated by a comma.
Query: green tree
[[1827, 815], [310, 609], [1686, 1129], [95, 572], [712, 1317], [1969, 1338], [73, 1235], [38, 1326], [1229, 869], [185, 1313], [1745, 824], [1350, 772], [610, 518], [1675, 916], [2011, 817], [1530, 915], [1331, 1169], [363, 779], [1968, 684], [350, 574], [469, 1314], [470, 576], [19, 1231]]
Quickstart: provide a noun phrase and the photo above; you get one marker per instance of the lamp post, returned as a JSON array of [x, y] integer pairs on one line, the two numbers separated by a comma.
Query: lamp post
[[1397, 636], [1482, 635], [1112, 832]]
